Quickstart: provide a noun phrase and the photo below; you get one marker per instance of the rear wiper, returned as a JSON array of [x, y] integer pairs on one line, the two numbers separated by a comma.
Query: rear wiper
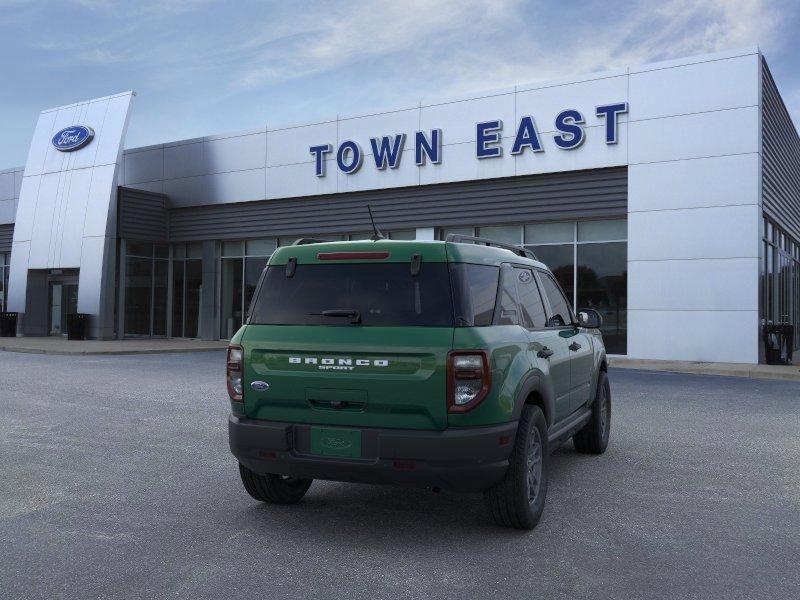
[[353, 315]]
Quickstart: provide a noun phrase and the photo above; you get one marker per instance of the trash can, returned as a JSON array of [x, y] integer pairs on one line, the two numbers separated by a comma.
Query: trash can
[[77, 323], [8, 324], [778, 344]]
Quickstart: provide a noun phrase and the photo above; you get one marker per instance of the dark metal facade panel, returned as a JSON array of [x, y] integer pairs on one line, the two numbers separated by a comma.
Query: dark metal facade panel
[[6, 237], [780, 163], [142, 215], [597, 193]]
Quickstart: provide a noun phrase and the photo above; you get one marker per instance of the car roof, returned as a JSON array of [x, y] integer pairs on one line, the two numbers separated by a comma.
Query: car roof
[[308, 252]]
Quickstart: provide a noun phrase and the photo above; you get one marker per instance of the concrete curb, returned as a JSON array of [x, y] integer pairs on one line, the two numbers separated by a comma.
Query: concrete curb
[[109, 352], [749, 371]]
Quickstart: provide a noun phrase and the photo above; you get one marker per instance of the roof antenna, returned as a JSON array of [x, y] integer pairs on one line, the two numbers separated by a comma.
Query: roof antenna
[[376, 235]]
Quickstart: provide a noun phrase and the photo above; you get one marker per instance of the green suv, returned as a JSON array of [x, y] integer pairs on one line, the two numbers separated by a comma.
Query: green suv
[[453, 364]]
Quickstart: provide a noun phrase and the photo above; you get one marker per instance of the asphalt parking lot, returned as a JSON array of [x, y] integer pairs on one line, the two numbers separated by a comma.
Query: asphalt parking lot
[[117, 483]]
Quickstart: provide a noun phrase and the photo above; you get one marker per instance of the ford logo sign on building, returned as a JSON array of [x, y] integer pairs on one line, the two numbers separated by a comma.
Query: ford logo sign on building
[[72, 138]]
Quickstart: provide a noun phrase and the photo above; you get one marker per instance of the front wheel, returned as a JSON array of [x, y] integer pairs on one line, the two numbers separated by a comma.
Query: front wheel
[[275, 489], [518, 500], [593, 438]]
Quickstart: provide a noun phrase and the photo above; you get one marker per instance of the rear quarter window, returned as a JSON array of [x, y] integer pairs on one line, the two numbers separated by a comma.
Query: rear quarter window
[[474, 293]]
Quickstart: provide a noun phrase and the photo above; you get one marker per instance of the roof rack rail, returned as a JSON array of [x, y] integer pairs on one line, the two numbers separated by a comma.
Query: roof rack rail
[[518, 250], [304, 241]]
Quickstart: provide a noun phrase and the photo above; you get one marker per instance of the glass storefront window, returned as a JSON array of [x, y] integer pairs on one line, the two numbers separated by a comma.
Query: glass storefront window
[[252, 271], [4, 266], [232, 248], [231, 296], [507, 234], [138, 295], [780, 281], [603, 285], [445, 231], [160, 286], [146, 288], [187, 284], [550, 233], [602, 231], [241, 266], [561, 260], [260, 247]]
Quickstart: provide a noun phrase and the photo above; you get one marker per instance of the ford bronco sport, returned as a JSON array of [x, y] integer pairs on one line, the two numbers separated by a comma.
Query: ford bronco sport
[[456, 365]]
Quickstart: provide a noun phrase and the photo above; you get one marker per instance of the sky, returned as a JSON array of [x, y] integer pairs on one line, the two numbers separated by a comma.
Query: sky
[[203, 67]]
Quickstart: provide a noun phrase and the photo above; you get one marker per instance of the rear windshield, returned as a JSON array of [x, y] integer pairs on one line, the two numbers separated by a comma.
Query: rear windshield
[[384, 294]]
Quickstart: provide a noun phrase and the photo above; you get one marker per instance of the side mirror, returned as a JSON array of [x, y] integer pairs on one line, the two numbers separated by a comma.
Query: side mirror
[[590, 318]]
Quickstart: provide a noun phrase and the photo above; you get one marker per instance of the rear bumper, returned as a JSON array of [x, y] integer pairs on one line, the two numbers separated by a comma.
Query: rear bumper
[[461, 459]]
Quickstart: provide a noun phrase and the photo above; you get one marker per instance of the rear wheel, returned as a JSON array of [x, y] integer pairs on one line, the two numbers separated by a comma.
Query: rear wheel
[[518, 500], [276, 489], [593, 438]]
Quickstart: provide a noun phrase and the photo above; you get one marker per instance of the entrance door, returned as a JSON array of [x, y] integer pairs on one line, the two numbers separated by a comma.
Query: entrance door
[[63, 296]]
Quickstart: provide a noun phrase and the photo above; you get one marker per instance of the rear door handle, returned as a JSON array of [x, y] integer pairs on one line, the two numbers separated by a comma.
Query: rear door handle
[[545, 352], [574, 346]]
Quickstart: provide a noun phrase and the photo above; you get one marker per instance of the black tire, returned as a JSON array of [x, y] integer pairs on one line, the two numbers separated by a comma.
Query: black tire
[[512, 502], [275, 489], [593, 438]]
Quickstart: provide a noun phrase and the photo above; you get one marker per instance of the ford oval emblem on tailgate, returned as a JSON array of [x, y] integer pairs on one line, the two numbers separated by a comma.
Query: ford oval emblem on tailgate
[[259, 386]]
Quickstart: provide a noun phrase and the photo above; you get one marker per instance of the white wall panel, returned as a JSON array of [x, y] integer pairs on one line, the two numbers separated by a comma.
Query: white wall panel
[[700, 284], [459, 164], [717, 133], [188, 191], [18, 275], [457, 120], [716, 181], [238, 153], [370, 178], [184, 160], [23, 226], [91, 273], [56, 160], [147, 165], [96, 222], [290, 146], [544, 104], [239, 186], [695, 88], [289, 181], [42, 229], [719, 232], [115, 125], [719, 336], [74, 217], [92, 115], [594, 153], [361, 129]]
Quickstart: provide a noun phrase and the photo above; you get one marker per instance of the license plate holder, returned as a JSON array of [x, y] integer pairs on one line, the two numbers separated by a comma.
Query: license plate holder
[[333, 441]]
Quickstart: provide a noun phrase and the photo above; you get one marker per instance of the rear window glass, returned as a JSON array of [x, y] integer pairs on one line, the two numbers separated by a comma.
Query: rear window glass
[[383, 294], [474, 293]]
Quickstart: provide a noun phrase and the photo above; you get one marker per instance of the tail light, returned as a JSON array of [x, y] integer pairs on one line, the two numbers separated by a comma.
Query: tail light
[[234, 374], [468, 379]]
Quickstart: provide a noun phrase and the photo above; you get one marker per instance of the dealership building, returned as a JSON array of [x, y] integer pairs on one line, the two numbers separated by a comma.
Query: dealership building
[[666, 196]]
